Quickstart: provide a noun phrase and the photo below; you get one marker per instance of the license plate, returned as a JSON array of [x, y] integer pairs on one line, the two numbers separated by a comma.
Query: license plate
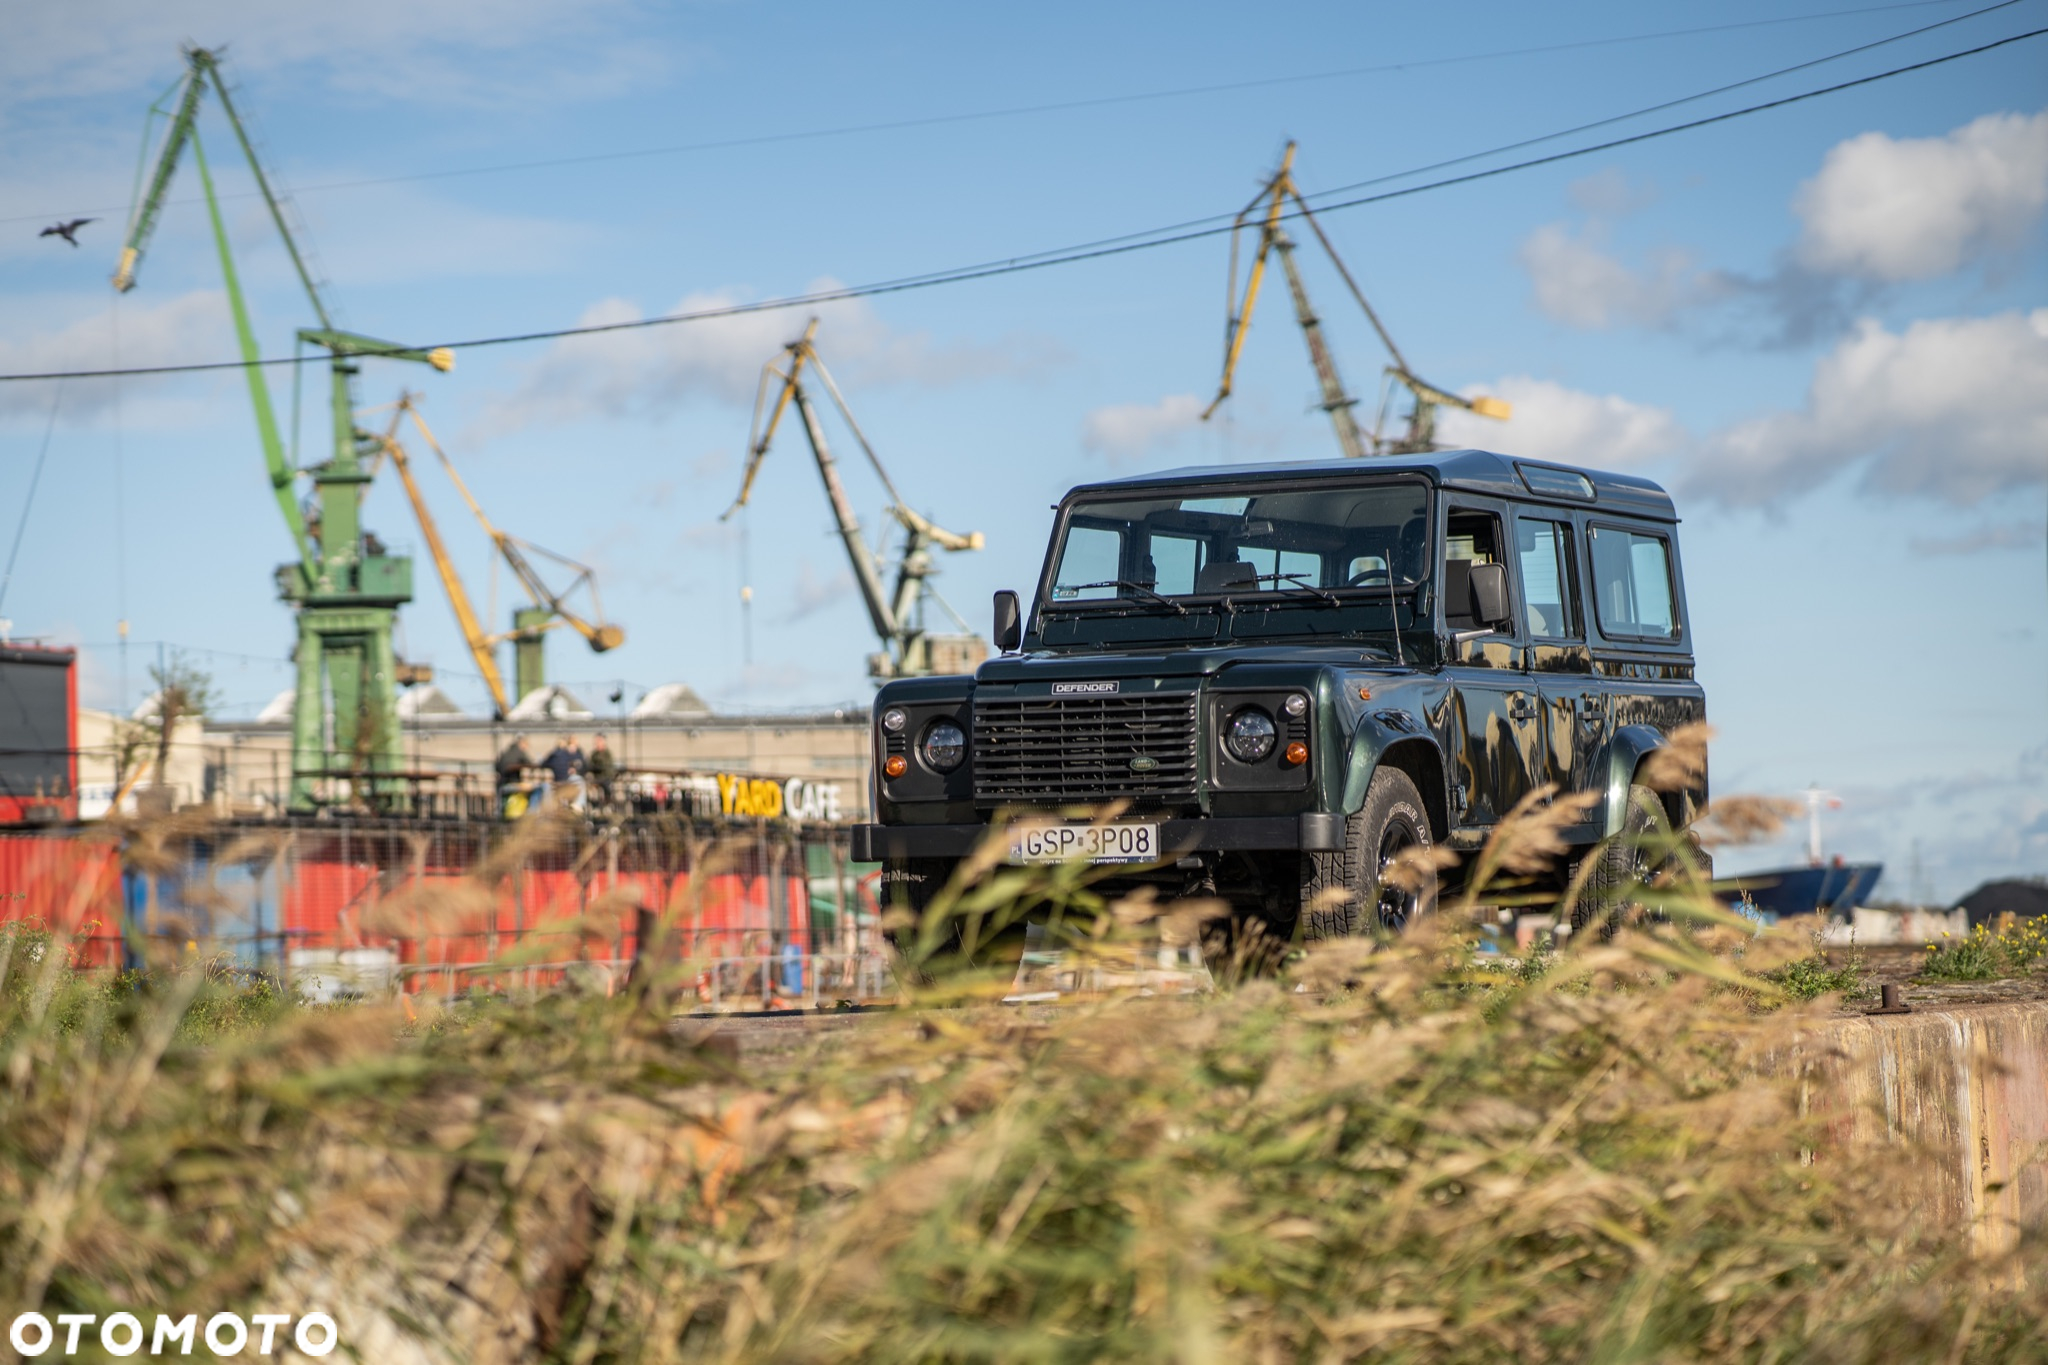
[[1089, 843]]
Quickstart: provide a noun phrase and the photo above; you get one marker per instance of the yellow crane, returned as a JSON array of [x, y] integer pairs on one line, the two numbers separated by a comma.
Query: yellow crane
[[1275, 197], [898, 619], [549, 609]]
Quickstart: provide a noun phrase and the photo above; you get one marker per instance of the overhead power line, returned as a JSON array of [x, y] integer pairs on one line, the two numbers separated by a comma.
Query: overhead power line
[[1084, 252], [1667, 104], [1024, 110]]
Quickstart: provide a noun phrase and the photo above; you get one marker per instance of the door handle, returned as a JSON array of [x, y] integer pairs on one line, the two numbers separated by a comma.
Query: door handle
[[1522, 709]]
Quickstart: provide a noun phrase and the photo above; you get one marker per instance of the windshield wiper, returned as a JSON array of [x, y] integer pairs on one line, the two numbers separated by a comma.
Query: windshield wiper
[[1300, 584], [1179, 610]]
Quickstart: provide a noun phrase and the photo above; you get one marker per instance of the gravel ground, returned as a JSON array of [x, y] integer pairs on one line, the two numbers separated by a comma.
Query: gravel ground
[[788, 1034], [1899, 962]]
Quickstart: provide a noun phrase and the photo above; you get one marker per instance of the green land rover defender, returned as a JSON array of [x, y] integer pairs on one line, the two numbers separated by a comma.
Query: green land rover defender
[[1279, 677]]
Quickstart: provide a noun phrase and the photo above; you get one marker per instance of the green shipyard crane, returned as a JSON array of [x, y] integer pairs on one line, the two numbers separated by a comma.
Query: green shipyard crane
[[345, 588]]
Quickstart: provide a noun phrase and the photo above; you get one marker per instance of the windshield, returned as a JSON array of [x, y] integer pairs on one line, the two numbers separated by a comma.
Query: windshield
[[1253, 546]]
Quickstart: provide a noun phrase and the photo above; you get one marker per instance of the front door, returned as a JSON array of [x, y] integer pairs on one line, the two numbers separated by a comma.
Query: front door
[[1496, 744]]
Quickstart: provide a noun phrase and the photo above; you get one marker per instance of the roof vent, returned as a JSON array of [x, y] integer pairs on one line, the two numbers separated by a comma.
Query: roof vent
[[1556, 483]]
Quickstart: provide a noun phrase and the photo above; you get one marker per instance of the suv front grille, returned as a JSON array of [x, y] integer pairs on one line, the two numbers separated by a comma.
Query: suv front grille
[[1075, 749]]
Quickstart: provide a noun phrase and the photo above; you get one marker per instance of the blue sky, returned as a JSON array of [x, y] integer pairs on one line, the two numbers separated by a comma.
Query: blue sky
[[1824, 327]]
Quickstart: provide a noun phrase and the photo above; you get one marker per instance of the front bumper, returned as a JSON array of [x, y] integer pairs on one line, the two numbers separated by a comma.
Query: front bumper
[[1311, 833]]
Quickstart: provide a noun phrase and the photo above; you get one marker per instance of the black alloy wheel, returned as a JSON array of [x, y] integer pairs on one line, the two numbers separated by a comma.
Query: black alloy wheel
[[1397, 907], [1337, 888], [1623, 867]]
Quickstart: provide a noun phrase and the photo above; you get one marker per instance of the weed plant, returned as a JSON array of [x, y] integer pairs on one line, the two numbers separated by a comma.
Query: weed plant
[[1987, 953], [1815, 974], [1377, 1149]]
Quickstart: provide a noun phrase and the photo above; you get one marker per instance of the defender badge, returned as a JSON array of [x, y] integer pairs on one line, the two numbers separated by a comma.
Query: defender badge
[[1085, 689]]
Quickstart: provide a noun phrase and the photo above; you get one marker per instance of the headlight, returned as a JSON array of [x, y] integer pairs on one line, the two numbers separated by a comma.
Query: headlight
[[945, 747], [1249, 735], [893, 720]]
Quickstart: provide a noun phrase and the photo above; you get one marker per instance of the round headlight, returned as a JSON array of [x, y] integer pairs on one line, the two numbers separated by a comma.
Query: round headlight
[[1250, 734], [893, 720], [1295, 706], [945, 746]]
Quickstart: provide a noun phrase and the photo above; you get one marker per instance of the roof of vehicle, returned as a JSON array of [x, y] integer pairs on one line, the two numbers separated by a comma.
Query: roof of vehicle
[[1475, 471]]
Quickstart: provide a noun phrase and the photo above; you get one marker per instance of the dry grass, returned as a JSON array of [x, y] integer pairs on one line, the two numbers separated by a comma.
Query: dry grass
[[1386, 1150]]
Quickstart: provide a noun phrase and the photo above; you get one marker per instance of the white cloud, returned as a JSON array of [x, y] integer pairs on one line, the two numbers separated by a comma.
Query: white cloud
[[166, 333], [1906, 209], [1552, 422], [1952, 407], [1579, 283], [1131, 431], [652, 370]]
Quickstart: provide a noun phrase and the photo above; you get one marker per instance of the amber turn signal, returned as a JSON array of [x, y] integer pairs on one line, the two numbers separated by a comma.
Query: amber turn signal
[[896, 765], [1365, 694], [1297, 754]]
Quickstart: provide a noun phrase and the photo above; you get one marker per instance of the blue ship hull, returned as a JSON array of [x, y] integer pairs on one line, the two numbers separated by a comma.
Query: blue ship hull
[[1790, 891]]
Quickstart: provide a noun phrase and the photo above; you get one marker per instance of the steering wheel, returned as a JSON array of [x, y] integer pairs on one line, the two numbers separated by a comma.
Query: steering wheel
[[1360, 578]]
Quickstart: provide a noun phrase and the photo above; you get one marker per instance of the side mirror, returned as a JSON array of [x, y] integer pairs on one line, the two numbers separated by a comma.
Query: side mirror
[[1490, 596], [1009, 622]]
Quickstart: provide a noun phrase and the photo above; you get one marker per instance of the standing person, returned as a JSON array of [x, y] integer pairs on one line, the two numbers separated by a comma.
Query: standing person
[[565, 769], [511, 768], [602, 769]]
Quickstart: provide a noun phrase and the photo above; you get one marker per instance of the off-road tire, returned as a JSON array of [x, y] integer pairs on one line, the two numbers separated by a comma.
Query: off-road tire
[[1622, 865], [1341, 892]]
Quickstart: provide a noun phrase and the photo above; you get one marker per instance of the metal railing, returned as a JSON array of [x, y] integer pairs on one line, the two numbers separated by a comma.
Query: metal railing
[[714, 985]]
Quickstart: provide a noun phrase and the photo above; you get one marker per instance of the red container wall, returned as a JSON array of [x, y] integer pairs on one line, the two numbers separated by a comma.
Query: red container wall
[[438, 916], [72, 886]]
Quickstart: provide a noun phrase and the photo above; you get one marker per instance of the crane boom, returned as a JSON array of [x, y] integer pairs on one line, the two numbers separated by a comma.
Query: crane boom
[[473, 633], [1336, 402], [600, 635], [1240, 320], [1278, 194], [142, 220], [880, 613], [282, 476]]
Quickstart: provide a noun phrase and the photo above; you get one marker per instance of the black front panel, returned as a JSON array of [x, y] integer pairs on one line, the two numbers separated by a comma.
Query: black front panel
[[35, 736], [1057, 750]]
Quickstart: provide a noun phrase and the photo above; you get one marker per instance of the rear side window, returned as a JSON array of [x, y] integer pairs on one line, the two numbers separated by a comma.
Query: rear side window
[[1632, 583], [1545, 549]]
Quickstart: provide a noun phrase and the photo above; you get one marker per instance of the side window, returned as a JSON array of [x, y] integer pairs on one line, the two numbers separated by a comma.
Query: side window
[[1091, 556], [1469, 538], [1545, 551], [1632, 583]]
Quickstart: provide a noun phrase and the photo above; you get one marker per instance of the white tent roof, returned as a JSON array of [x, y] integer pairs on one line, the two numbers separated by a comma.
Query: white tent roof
[[550, 703], [427, 702], [671, 700]]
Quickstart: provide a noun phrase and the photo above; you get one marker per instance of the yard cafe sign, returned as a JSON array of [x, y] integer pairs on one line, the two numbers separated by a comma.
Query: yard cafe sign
[[796, 799]]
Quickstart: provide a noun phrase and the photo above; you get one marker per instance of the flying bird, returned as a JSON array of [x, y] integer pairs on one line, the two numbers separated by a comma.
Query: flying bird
[[65, 230]]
